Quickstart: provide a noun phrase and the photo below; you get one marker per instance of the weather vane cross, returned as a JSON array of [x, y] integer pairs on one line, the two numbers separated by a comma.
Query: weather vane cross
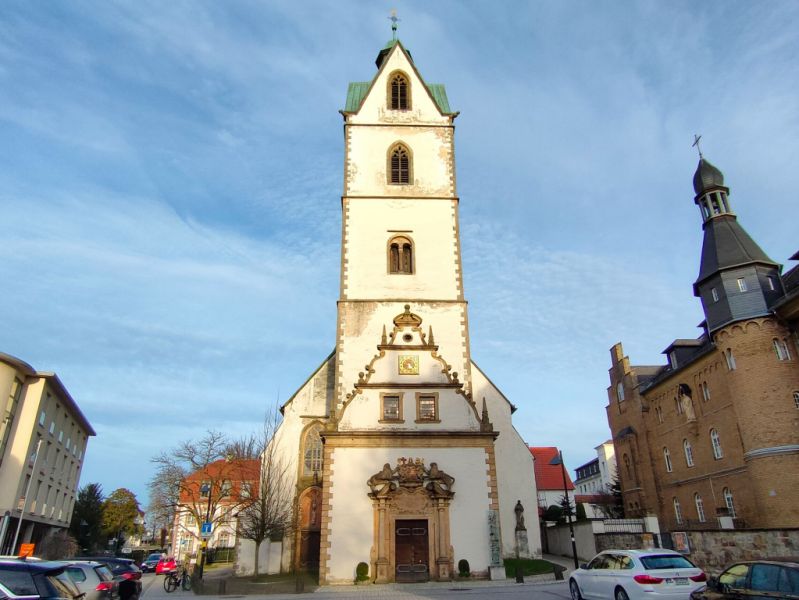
[[696, 143], [394, 19]]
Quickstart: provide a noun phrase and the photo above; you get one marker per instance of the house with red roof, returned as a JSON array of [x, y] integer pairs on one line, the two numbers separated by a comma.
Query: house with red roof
[[549, 476]]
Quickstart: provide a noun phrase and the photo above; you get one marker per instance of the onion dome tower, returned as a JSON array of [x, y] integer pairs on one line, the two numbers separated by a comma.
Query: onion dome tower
[[737, 280]]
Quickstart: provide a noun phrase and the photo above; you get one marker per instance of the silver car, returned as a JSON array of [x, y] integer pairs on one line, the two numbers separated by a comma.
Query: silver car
[[93, 579]]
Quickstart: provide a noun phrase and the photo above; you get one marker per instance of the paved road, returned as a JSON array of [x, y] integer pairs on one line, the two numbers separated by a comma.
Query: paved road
[[153, 589]]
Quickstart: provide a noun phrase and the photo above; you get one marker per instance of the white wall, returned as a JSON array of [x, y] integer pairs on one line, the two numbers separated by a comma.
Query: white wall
[[515, 472], [268, 562], [352, 512]]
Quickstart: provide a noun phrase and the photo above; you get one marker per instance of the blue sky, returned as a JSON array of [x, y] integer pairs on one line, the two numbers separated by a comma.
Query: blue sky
[[171, 176]]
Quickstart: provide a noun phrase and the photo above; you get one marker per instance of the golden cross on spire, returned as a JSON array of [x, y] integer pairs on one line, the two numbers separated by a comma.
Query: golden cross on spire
[[696, 143], [393, 18]]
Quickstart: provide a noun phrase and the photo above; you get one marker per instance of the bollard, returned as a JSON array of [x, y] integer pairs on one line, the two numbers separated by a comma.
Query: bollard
[[519, 574]]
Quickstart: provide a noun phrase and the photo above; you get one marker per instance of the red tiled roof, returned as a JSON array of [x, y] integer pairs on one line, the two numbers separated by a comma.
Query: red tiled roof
[[548, 476]]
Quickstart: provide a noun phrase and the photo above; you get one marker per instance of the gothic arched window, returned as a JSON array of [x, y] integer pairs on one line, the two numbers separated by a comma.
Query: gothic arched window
[[400, 255], [399, 97], [399, 165], [677, 511], [312, 451], [715, 441], [689, 453], [700, 507], [667, 459], [729, 502]]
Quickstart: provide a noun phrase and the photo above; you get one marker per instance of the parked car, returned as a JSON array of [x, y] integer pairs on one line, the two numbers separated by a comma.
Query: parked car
[[36, 580], [94, 579], [125, 571], [165, 565], [636, 574], [148, 564], [771, 578]]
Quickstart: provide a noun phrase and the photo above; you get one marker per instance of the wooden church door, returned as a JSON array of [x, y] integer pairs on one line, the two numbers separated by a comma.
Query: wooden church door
[[310, 529], [412, 551]]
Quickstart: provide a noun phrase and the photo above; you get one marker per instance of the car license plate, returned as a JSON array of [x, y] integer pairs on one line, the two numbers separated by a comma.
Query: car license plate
[[679, 581]]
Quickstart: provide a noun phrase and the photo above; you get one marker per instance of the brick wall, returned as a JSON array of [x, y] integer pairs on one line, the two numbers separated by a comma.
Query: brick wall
[[712, 550]]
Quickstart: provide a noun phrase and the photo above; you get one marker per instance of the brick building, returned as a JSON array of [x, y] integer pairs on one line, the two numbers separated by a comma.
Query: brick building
[[715, 431]]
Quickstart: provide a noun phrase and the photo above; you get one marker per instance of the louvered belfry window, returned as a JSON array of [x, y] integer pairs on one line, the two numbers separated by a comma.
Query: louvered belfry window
[[399, 92], [400, 166], [400, 259]]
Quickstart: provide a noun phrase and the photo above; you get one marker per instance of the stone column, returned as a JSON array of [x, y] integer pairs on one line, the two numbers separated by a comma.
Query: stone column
[[383, 564], [443, 559]]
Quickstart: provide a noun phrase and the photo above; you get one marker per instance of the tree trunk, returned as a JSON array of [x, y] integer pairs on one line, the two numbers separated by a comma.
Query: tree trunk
[[257, 555]]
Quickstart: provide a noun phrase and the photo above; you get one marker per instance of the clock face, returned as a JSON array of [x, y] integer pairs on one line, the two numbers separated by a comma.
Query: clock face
[[408, 365]]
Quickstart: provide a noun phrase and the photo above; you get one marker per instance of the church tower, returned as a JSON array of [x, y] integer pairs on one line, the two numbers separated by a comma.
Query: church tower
[[737, 280], [405, 454]]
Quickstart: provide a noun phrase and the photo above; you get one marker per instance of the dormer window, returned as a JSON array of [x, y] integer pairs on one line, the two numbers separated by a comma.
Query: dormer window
[[715, 294], [399, 165], [400, 255], [398, 92], [742, 284]]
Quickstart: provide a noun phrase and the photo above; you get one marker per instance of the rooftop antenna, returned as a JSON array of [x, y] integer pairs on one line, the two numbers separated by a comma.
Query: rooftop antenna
[[696, 143], [394, 19]]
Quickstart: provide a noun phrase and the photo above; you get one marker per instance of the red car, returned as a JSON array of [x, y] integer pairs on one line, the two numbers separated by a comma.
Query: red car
[[165, 565]]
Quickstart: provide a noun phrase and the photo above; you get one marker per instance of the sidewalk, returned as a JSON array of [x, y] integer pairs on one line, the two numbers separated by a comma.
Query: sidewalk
[[399, 591], [567, 562]]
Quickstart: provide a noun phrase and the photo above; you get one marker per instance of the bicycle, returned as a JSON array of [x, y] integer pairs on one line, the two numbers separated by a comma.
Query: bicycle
[[175, 579]]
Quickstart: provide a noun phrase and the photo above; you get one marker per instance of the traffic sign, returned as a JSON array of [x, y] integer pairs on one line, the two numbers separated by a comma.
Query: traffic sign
[[206, 529]]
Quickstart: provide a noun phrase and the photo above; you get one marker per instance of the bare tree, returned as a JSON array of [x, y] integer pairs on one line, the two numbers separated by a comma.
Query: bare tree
[[203, 480], [270, 515]]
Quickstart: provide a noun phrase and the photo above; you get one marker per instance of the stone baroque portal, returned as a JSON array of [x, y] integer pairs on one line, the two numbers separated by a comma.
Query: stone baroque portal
[[418, 497]]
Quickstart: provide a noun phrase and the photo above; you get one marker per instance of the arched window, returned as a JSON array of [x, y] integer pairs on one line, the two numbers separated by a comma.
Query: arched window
[[312, 455], [620, 392], [399, 165], [689, 453], [398, 92], [677, 511], [781, 348], [678, 405], [667, 459], [730, 359], [705, 391], [716, 443], [400, 255], [729, 502], [659, 413], [700, 508]]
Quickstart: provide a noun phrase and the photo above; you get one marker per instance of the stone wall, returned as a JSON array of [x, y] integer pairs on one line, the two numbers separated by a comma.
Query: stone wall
[[622, 540], [712, 550]]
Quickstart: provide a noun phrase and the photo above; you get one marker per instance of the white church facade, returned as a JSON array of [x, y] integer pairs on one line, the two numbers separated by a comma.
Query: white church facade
[[404, 452]]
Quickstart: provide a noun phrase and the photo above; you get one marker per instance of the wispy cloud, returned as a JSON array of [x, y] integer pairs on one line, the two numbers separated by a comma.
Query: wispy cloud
[[172, 172]]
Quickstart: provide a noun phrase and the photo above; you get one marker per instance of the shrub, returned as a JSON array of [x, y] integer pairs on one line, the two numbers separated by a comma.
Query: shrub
[[362, 572], [463, 568]]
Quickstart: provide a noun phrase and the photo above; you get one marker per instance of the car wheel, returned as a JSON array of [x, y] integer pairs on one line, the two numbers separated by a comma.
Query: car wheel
[[575, 590], [621, 594]]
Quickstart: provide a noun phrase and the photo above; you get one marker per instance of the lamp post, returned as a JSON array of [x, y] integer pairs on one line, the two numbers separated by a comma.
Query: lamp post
[[558, 460], [204, 543]]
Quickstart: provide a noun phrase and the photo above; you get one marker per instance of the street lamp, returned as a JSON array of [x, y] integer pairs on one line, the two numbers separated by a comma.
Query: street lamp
[[558, 460], [204, 488]]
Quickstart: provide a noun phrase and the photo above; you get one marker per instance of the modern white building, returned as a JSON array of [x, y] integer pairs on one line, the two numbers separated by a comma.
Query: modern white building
[[403, 450], [43, 437], [596, 478]]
